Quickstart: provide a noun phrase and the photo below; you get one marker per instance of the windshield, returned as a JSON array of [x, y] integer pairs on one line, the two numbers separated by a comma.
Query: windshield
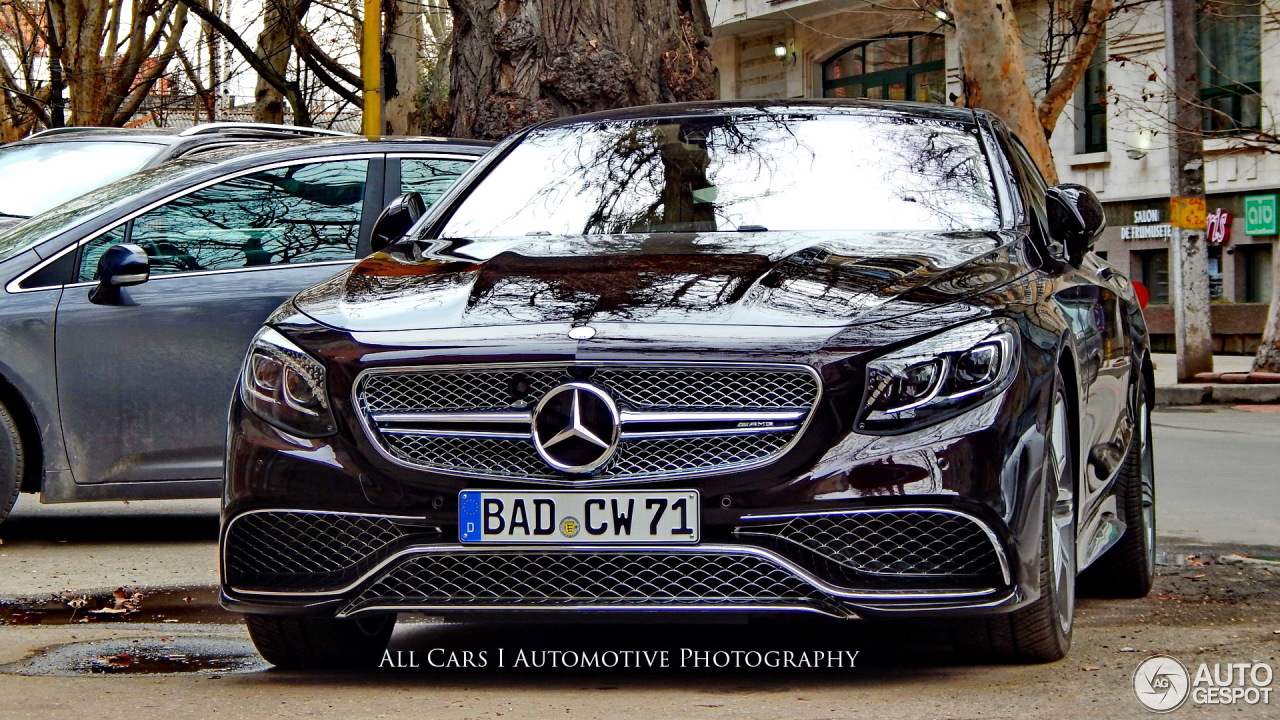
[[67, 215], [855, 171], [36, 177]]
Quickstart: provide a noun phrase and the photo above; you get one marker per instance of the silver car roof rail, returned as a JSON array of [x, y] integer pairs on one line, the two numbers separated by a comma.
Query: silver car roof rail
[[61, 131], [214, 127]]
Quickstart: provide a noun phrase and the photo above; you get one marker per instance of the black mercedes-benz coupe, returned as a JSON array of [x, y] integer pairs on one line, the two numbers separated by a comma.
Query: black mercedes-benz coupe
[[850, 359]]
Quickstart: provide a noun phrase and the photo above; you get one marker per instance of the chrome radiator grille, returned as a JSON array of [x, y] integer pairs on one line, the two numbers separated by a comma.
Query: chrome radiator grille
[[585, 579], [886, 547], [674, 419]]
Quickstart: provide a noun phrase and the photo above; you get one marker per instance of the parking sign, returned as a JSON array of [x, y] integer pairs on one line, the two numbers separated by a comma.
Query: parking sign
[[1260, 215]]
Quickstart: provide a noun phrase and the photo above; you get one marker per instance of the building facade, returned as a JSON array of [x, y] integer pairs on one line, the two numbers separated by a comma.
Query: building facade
[[1111, 137]]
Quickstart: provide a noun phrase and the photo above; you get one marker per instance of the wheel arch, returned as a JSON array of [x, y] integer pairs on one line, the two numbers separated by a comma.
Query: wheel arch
[[28, 431]]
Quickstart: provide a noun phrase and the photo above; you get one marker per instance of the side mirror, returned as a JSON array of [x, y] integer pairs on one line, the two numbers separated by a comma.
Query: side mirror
[[396, 220], [1075, 219], [119, 267]]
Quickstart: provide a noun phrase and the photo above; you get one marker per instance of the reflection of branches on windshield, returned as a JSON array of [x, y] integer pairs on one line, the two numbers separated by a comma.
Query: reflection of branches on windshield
[[661, 176], [939, 171]]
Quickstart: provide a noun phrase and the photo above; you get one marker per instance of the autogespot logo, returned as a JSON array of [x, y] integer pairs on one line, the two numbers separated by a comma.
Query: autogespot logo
[[1161, 683]]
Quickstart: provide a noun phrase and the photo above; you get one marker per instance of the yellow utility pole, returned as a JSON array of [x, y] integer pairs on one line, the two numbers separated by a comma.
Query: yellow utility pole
[[371, 67]]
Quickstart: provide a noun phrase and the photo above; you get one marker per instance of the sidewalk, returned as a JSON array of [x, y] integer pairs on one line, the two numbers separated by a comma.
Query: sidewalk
[[1169, 392]]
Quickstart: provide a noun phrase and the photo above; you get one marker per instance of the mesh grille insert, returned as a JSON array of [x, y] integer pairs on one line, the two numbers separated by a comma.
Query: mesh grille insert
[[596, 578]]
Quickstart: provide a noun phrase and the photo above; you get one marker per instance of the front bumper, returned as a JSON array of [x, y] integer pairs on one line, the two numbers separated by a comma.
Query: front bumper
[[840, 564]]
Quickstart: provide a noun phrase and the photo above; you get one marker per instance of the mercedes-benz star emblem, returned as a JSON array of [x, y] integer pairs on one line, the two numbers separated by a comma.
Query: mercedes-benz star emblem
[[575, 427]]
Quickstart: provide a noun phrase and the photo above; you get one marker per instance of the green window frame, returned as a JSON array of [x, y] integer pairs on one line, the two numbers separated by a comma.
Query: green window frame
[[903, 66], [1093, 102], [1229, 36]]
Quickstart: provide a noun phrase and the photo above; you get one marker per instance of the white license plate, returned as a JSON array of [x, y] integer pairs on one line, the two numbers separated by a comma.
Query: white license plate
[[578, 516]]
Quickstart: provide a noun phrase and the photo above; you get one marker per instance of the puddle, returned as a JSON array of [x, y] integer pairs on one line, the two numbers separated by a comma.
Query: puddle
[[151, 656], [1185, 559]]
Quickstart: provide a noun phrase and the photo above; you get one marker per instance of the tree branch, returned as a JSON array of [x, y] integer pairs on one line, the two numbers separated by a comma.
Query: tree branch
[[301, 114], [1059, 91]]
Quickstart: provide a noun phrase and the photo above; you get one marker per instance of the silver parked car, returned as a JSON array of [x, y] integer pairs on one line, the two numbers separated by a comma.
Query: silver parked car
[[127, 311]]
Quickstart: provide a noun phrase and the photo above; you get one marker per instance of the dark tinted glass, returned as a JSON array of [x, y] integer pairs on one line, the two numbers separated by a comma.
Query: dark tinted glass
[[294, 214], [430, 177], [783, 172]]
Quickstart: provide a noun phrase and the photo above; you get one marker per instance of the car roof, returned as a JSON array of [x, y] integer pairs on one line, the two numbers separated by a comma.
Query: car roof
[[830, 106], [175, 136], [305, 147]]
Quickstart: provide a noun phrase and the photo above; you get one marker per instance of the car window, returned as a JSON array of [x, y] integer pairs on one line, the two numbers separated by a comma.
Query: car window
[[38, 176], [92, 204], [295, 214], [430, 177]]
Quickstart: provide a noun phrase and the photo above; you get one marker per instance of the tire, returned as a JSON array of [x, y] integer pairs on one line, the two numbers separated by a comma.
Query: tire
[[1041, 631], [1128, 568], [304, 642], [12, 462]]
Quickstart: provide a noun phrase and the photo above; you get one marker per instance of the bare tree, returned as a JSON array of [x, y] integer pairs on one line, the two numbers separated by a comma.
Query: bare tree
[[113, 53], [24, 99], [994, 69]]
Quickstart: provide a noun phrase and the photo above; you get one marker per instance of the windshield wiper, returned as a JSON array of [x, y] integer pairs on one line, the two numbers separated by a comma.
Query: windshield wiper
[[751, 228], [5, 214]]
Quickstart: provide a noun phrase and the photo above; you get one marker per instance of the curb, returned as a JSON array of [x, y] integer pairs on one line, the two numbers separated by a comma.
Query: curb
[[1211, 393]]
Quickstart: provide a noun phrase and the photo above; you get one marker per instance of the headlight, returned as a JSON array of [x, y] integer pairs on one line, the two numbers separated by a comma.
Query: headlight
[[940, 377], [285, 386]]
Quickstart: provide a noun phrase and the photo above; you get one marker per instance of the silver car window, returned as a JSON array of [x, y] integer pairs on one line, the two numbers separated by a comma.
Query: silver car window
[[286, 215]]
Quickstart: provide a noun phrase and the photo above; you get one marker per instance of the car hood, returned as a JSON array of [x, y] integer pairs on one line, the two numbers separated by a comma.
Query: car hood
[[825, 279]]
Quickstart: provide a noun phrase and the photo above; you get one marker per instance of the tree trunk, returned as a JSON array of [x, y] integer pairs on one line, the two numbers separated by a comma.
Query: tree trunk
[[995, 74], [517, 62], [111, 61], [1268, 357], [274, 47], [403, 42]]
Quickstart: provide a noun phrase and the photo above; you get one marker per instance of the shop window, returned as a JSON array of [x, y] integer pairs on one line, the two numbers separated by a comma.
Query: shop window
[[1257, 273], [898, 67], [1230, 66], [1093, 103], [1215, 272], [1153, 266]]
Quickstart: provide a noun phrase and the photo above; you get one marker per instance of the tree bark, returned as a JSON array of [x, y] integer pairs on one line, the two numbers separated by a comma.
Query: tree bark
[[402, 41], [517, 62], [995, 73], [1268, 357]]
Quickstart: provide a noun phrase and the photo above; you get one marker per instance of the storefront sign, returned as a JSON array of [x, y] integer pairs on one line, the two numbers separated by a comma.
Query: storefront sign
[[1142, 230], [1260, 215], [1218, 227]]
